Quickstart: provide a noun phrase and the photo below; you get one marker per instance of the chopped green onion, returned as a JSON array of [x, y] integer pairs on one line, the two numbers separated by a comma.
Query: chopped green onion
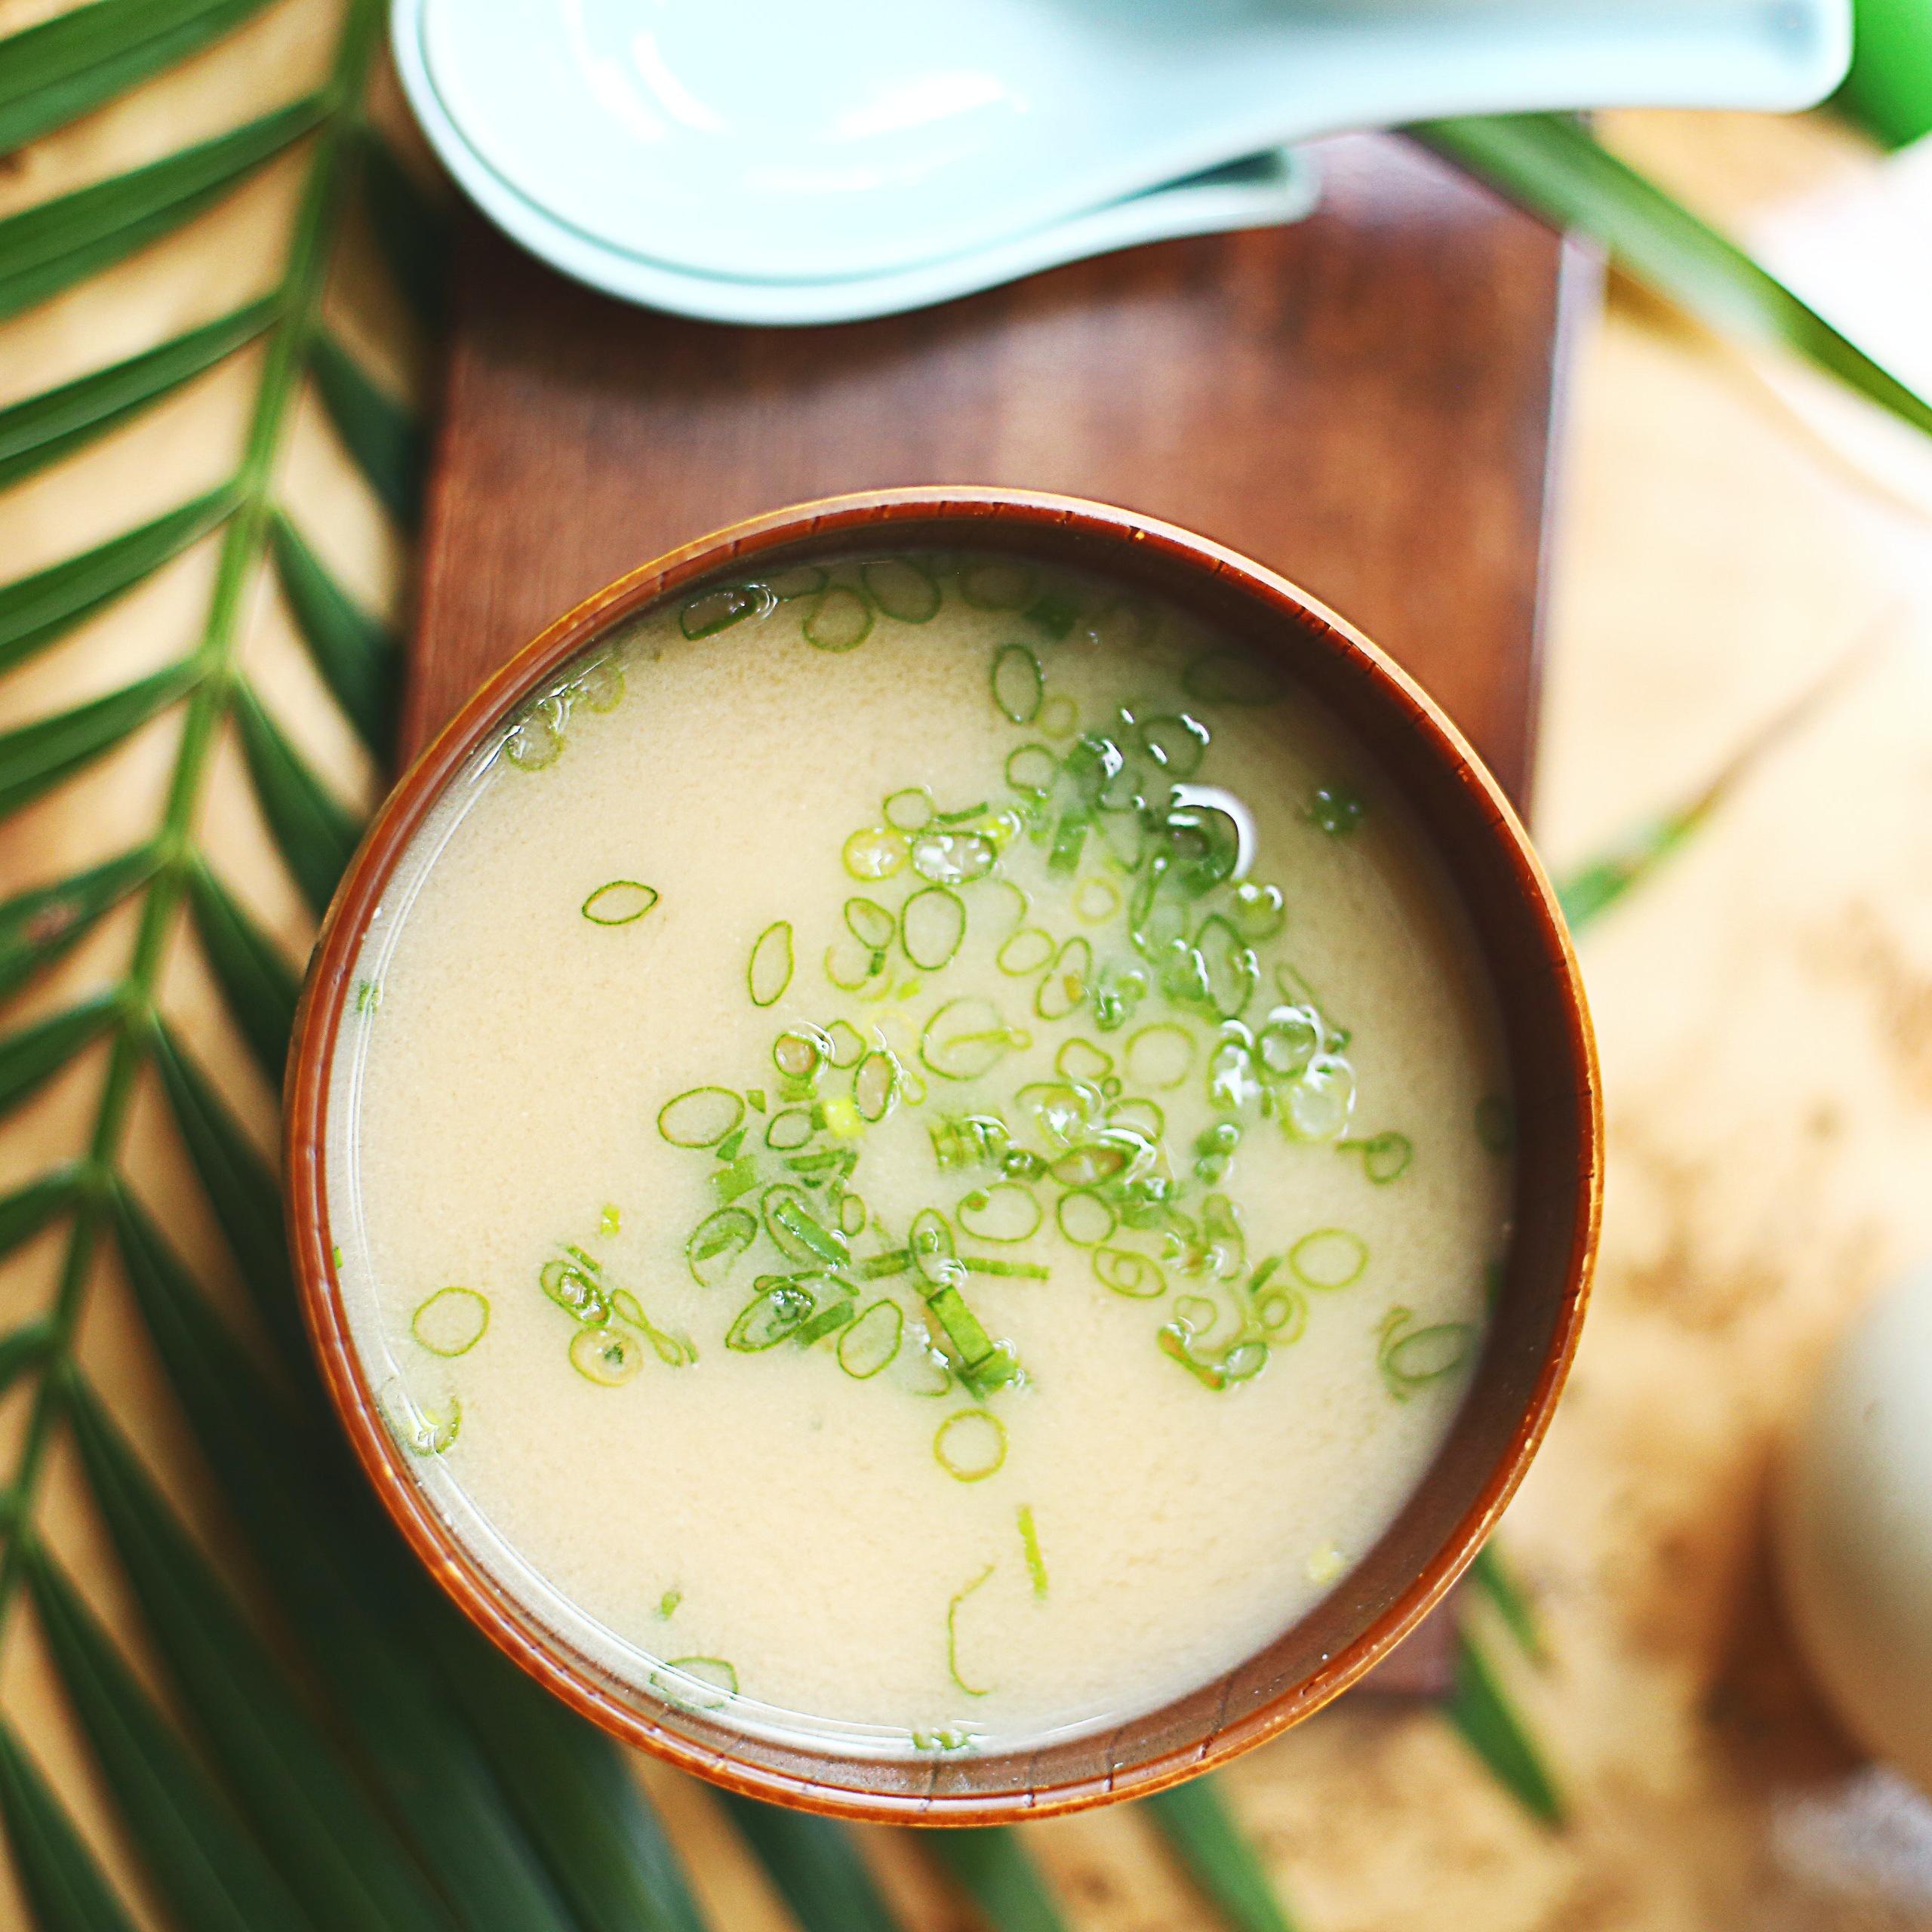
[[1160, 1056], [452, 1321], [1232, 971], [1231, 677], [1063, 985], [1004, 1212], [789, 1130], [1080, 1059], [1383, 1157], [601, 684], [840, 619], [1410, 1357], [801, 580], [998, 583], [987, 1264], [798, 1052], [965, 1038], [1096, 899], [877, 852], [847, 1044], [909, 811], [1289, 1039], [875, 1085], [1317, 1105], [424, 1434], [1025, 952], [1329, 1258], [799, 1234], [1260, 911], [1085, 1219], [769, 972], [700, 1117], [607, 1356], [1053, 611], [931, 924], [953, 858], [970, 1445], [1129, 1274], [610, 1222], [833, 1316], [739, 1177], [576, 1288], [1335, 810], [619, 903], [667, 1605], [1031, 770], [870, 1342], [1060, 716], [716, 1681], [1175, 742], [711, 611], [368, 995], [952, 1634], [774, 1312], [1496, 1123], [712, 1250], [533, 742], [1017, 685], [901, 589], [1029, 1543], [875, 1267]]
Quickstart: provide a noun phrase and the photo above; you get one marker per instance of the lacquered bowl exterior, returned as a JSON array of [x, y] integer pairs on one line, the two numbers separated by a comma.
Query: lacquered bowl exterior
[[1537, 1312]]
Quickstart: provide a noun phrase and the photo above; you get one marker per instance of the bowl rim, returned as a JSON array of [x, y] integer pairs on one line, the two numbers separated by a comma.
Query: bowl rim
[[324, 997]]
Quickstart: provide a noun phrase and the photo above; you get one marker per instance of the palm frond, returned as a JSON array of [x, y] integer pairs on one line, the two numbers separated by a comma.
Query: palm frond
[[1212, 1848], [35, 1054], [257, 984], [1489, 1724], [39, 926], [54, 73], [993, 1867], [379, 436], [61, 1878], [1555, 168], [62, 421], [816, 1866], [359, 658], [45, 249], [36, 757]]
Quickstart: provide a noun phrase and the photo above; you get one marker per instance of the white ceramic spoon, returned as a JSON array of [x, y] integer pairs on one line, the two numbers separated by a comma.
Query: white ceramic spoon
[[1261, 191], [775, 140]]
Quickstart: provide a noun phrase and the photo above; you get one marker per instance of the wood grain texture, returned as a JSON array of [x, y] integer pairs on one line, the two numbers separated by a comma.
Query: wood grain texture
[[1365, 402]]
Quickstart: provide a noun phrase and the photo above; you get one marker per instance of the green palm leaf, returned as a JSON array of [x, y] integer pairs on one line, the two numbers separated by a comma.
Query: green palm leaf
[[52, 74], [358, 658], [45, 428], [57, 1872], [378, 434], [257, 983], [195, 1849], [38, 926], [411, 232], [34, 758], [816, 1866], [45, 249], [330, 1842], [29, 1209], [240, 1189], [1490, 1725], [992, 1866], [1554, 167], [34, 1055], [1216, 1854], [25, 1348], [315, 834], [38, 610]]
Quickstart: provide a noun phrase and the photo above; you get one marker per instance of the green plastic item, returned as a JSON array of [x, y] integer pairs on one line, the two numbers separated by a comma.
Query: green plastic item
[[1889, 89]]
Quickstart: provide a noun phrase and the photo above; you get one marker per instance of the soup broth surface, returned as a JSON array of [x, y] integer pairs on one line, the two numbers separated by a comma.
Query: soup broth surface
[[918, 1154]]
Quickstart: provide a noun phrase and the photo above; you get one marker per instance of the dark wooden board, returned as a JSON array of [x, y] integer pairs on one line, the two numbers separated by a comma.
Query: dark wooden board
[[1365, 401]]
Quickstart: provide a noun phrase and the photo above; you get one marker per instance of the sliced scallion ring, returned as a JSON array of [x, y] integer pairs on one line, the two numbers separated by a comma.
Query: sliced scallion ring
[[931, 925], [953, 858], [870, 924], [965, 1038], [452, 1321], [871, 1341], [840, 619], [970, 1445], [1004, 1212], [998, 583], [1126, 1273], [619, 902], [711, 611], [776, 1311], [701, 1117], [901, 589], [1031, 770], [769, 971], [1018, 687], [607, 1356], [1329, 1258], [877, 852], [1026, 952], [714, 1245]]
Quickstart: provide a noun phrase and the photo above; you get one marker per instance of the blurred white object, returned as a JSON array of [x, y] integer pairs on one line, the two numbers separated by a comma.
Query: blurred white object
[[1861, 254], [1854, 1529], [766, 145]]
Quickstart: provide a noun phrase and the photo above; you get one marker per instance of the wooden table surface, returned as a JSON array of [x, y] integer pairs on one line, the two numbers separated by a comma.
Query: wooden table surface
[[1363, 401]]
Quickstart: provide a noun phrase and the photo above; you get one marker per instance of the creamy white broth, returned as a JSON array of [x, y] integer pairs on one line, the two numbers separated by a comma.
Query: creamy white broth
[[1183, 1469]]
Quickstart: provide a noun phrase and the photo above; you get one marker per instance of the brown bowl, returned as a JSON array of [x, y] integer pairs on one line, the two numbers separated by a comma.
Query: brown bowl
[[1537, 1311]]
